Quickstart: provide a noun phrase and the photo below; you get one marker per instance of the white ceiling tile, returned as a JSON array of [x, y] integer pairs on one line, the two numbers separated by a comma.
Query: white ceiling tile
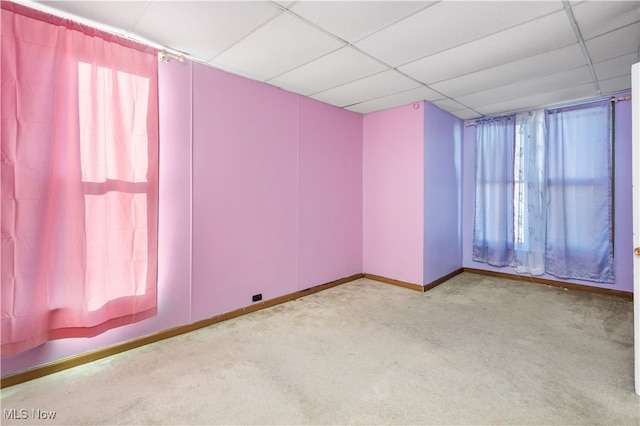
[[466, 114], [540, 100], [336, 68], [616, 84], [352, 20], [533, 38], [285, 3], [615, 43], [121, 15], [598, 17], [282, 44], [397, 99], [574, 77], [203, 29], [524, 69], [496, 55], [375, 86], [449, 24], [615, 67], [449, 105]]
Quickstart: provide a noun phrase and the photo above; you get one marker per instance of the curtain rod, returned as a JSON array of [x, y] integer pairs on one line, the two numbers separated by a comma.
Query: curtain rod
[[165, 56], [621, 98], [612, 99]]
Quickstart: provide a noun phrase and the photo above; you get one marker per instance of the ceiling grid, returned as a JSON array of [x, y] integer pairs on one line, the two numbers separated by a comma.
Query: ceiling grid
[[470, 58]]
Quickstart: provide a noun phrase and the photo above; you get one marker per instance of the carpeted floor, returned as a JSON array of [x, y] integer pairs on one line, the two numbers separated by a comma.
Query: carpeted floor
[[474, 350]]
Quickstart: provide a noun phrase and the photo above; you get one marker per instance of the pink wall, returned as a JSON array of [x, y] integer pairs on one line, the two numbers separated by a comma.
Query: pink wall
[[245, 188], [234, 144], [329, 193], [393, 193]]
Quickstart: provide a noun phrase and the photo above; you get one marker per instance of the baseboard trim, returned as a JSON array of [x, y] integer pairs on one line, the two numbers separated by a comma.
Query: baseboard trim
[[442, 279], [411, 286], [105, 352], [554, 283]]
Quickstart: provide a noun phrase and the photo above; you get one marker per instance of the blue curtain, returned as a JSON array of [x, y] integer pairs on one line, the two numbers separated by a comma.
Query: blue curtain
[[579, 224], [493, 228]]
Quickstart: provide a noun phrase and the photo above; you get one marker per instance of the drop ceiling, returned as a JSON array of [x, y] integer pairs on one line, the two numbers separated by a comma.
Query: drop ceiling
[[470, 58]]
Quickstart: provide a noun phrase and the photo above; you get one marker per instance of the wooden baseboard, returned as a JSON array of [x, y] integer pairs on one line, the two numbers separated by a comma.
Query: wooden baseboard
[[84, 358], [442, 279], [554, 283], [416, 287], [80, 359]]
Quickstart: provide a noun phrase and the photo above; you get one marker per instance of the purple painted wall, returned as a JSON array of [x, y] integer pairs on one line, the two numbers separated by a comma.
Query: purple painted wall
[[244, 150], [393, 193], [329, 193], [442, 193], [623, 206]]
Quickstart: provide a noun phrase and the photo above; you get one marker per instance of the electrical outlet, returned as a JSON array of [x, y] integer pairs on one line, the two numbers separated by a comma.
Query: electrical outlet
[[257, 297]]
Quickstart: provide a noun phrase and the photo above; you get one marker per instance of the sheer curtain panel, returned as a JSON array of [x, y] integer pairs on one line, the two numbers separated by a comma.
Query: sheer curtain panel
[[79, 179], [530, 200], [493, 228]]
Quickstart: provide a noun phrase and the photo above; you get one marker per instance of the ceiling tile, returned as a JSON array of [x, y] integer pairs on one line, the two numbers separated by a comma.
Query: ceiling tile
[[574, 77], [120, 15], [372, 87], [449, 24], [615, 43], [285, 3], [352, 20], [449, 105], [539, 100], [541, 35], [203, 29], [280, 45], [615, 67], [336, 68], [466, 114], [397, 99], [496, 55], [598, 17], [524, 69], [616, 84]]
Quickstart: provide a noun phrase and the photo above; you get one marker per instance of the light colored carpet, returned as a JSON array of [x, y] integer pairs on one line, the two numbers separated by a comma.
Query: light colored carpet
[[474, 350]]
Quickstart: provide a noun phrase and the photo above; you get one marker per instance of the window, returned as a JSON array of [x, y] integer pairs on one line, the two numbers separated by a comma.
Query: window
[[579, 193], [79, 180], [114, 154], [560, 189]]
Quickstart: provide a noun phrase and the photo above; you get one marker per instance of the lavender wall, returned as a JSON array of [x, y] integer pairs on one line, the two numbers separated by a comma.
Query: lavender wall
[[246, 151], [442, 193], [393, 193], [623, 206]]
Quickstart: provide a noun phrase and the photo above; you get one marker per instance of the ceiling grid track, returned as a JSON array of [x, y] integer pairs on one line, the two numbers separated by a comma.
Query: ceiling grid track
[[253, 30], [132, 28], [353, 46], [574, 25], [504, 57]]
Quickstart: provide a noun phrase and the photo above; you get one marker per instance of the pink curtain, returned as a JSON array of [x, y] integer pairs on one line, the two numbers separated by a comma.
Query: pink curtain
[[79, 127]]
